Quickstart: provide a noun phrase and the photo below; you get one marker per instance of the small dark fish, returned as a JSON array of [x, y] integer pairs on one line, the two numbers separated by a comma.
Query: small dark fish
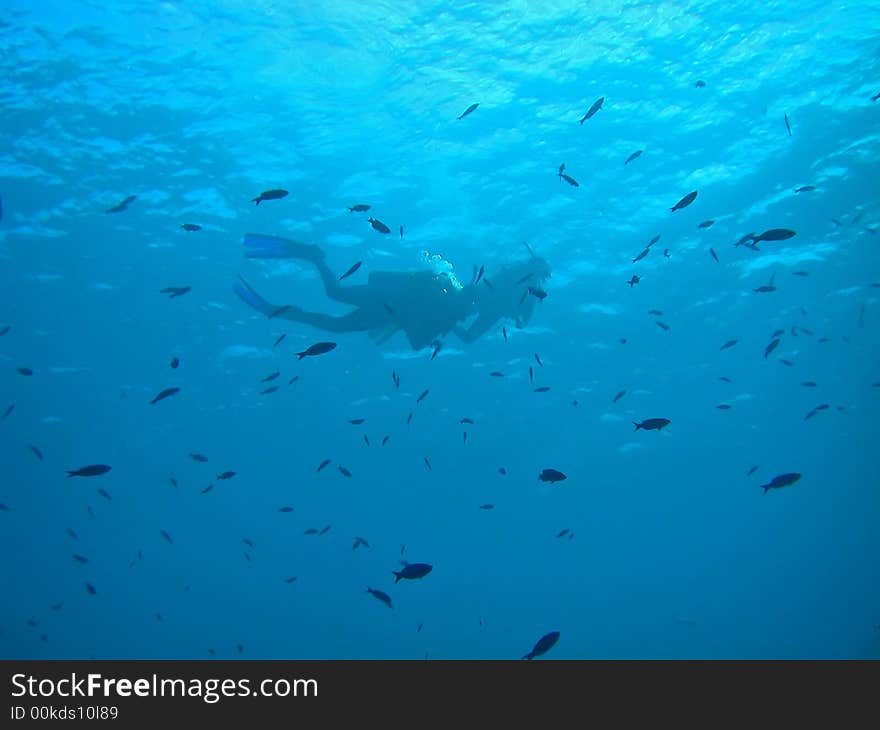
[[175, 363], [570, 180], [269, 195], [173, 482], [311, 531], [207, 489], [380, 596], [487, 506], [543, 645], [278, 341], [351, 269], [531, 374], [496, 374], [502, 471], [728, 344], [808, 384], [662, 325], [467, 420], [345, 472], [619, 395], [385, 440], [190, 227], [775, 234], [633, 156], [685, 201], [542, 389], [700, 84], [270, 377], [318, 348], [119, 207], [635, 279], [666, 253], [538, 293], [488, 283], [875, 97], [293, 380], [805, 189], [291, 579], [652, 424], [8, 411], [166, 536], [5, 330], [4, 507], [401, 231], [419, 630], [105, 494], [247, 541], [409, 418], [271, 389], [714, 255], [597, 105], [91, 589], [25, 371], [653, 240], [551, 475], [705, 224], [175, 291], [324, 530], [504, 333], [93, 470], [359, 208], [787, 124], [285, 509], [437, 347], [752, 470], [563, 533], [725, 379], [723, 407], [642, 255], [358, 541], [35, 450], [356, 421], [469, 110], [412, 571], [782, 480], [428, 464], [322, 465], [801, 273], [772, 346], [167, 393], [538, 360], [366, 440], [422, 396], [789, 363], [395, 379], [378, 225], [226, 475], [479, 275], [777, 333], [198, 457]]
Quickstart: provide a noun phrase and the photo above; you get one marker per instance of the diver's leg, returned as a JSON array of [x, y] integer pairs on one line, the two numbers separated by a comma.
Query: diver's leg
[[261, 246], [356, 321]]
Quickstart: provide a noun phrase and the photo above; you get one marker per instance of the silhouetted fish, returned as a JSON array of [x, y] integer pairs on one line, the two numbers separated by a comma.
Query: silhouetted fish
[[700, 84], [35, 450], [774, 234], [714, 255], [354, 267], [642, 255], [167, 537], [226, 475], [92, 470], [175, 291], [270, 377], [705, 224], [782, 480], [422, 396], [175, 363], [469, 110], [728, 344], [538, 293], [378, 225], [543, 645], [551, 475], [198, 457], [805, 189], [345, 472], [318, 348], [772, 346], [619, 395], [685, 201], [597, 105], [359, 208], [428, 464], [167, 393], [8, 412], [633, 156], [190, 227], [662, 325], [323, 464], [269, 195], [652, 424], [412, 571], [787, 124], [570, 180], [380, 596], [119, 207]]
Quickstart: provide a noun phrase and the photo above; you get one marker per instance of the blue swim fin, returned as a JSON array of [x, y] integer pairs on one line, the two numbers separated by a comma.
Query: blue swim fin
[[250, 297], [262, 246]]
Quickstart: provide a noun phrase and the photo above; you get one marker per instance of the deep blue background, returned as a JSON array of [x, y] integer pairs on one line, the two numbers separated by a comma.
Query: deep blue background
[[197, 107]]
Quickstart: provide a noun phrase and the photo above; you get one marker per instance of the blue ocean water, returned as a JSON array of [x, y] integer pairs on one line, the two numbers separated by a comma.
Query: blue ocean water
[[673, 550]]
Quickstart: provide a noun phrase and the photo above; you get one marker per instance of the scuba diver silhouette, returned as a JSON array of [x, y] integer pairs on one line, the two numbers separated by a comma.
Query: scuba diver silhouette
[[423, 304]]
